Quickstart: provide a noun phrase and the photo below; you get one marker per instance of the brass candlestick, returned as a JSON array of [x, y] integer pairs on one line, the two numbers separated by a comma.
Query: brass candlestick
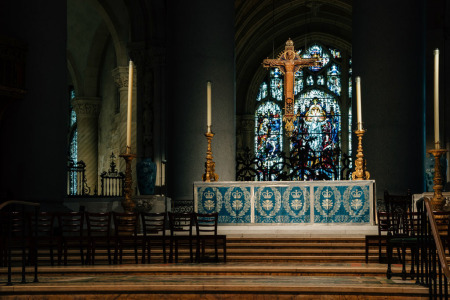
[[210, 174], [128, 203], [360, 172], [438, 200]]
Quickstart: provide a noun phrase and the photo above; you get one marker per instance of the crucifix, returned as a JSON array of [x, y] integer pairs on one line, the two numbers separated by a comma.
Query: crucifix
[[289, 62]]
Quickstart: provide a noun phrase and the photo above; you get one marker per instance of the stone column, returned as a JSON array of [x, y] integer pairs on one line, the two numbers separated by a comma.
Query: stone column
[[200, 49], [120, 75], [87, 110], [389, 55]]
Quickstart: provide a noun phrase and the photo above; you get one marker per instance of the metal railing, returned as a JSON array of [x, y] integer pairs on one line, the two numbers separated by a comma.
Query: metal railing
[[301, 164], [113, 181], [76, 179], [433, 270], [14, 233]]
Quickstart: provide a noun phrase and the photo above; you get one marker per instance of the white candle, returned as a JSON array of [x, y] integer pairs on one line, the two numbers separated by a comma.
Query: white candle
[[208, 106], [436, 98], [130, 102], [358, 102]]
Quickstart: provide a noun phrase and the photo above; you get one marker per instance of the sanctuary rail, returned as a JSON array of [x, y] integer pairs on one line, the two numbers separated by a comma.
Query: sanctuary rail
[[14, 234], [433, 270]]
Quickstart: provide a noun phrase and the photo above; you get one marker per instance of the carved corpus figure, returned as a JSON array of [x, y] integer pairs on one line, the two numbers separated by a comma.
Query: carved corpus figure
[[289, 62]]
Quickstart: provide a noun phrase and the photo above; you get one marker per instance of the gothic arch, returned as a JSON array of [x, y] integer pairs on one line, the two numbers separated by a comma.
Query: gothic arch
[[94, 61], [73, 72], [118, 27]]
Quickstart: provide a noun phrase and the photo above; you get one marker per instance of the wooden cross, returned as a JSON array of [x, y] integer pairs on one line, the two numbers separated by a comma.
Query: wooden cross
[[289, 62]]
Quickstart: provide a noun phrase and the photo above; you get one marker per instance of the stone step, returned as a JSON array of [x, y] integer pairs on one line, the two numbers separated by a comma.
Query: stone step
[[217, 281]]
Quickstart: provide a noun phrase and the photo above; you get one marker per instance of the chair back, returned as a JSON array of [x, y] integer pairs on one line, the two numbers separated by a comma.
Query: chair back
[[206, 223], [98, 224], [181, 223], [153, 223], [125, 224], [71, 223], [398, 203], [385, 224], [12, 224], [45, 222]]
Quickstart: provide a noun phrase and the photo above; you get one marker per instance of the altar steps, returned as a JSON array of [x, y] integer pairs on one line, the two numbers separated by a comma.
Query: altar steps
[[214, 281], [302, 250]]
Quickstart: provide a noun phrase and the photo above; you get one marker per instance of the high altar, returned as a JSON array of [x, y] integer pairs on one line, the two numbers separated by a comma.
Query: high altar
[[293, 202]]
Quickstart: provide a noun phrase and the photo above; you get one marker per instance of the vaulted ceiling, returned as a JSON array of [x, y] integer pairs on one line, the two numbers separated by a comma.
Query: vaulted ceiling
[[262, 28]]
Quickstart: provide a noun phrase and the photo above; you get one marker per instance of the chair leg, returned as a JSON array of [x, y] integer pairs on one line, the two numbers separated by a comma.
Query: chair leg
[[216, 250], [136, 252], [108, 245], [171, 251], [389, 258], [379, 250], [164, 250], [224, 250], [93, 254], [367, 250], [413, 254], [403, 262]]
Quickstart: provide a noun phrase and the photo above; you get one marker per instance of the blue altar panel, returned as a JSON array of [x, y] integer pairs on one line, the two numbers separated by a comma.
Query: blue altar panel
[[308, 202], [233, 203]]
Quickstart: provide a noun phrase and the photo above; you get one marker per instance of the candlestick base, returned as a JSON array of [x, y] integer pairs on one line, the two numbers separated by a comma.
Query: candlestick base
[[127, 202], [360, 172], [438, 200], [210, 174]]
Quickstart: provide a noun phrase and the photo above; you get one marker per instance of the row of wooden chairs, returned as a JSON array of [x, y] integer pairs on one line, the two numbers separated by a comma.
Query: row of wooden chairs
[[399, 229], [118, 231]]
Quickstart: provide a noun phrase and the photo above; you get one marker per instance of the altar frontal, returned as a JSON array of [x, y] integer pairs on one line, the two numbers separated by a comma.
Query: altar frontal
[[294, 202]]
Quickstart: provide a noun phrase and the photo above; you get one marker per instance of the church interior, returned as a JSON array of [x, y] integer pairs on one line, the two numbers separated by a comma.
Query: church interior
[[197, 69]]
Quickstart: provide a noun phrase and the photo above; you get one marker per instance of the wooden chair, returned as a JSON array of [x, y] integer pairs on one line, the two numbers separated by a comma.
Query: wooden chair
[[403, 234], [125, 234], [206, 229], [99, 234], [378, 240], [16, 239], [45, 239], [70, 225], [181, 225], [154, 233], [396, 204]]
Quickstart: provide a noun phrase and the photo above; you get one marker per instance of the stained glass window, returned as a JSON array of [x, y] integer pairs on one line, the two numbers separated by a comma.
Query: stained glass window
[[262, 91], [268, 134], [316, 50], [276, 84], [317, 136], [334, 79], [73, 132], [298, 82]]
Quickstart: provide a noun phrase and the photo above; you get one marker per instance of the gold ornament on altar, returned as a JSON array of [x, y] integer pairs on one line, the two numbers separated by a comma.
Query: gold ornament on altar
[[289, 62]]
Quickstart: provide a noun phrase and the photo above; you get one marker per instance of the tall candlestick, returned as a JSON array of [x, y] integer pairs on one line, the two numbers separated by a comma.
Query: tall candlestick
[[436, 99], [358, 102], [208, 106], [130, 102]]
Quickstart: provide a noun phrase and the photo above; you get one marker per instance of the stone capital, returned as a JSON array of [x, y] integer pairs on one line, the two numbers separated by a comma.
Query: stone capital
[[86, 106], [120, 75]]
